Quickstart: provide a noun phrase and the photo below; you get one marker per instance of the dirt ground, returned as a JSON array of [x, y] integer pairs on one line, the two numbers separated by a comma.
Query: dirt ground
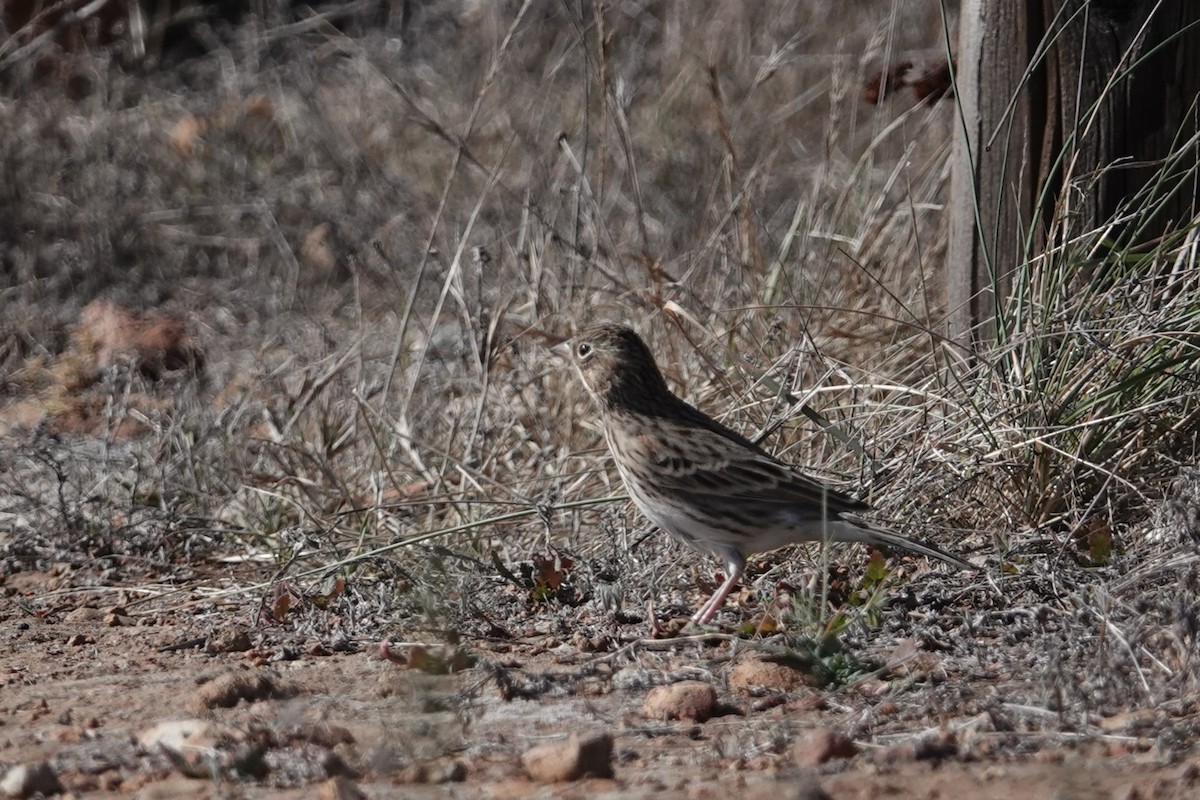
[[285, 717]]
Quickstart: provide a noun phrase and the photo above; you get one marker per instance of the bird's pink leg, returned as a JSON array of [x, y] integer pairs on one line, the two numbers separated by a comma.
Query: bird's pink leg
[[707, 610]]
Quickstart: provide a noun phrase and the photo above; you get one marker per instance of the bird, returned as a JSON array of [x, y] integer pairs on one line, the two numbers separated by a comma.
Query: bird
[[703, 483]]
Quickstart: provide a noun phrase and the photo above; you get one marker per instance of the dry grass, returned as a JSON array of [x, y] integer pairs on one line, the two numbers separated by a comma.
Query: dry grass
[[374, 237]]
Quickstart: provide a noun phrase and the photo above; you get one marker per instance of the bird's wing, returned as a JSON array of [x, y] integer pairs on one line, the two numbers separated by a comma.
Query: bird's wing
[[700, 455]]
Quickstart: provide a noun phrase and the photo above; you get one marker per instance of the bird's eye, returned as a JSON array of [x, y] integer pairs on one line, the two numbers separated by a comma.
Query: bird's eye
[[584, 350]]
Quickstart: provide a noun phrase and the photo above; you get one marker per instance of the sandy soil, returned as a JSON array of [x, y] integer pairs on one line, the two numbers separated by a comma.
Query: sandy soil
[[84, 685]]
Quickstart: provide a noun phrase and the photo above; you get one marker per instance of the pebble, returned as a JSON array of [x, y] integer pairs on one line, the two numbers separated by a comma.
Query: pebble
[[177, 735], [340, 788], [226, 690], [577, 757], [821, 745], [441, 770], [760, 673], [690, 700]]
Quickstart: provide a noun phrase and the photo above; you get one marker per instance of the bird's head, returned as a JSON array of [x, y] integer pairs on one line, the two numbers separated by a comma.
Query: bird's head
[[616, 367]]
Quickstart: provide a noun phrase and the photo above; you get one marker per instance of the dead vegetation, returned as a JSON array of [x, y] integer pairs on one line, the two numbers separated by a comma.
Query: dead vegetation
[[273, 346]]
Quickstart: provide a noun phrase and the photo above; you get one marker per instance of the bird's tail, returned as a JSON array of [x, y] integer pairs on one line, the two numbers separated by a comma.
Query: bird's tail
[[877, 536]]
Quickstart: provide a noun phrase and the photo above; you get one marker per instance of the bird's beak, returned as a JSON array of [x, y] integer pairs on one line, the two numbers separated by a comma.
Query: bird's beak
[[562, 349]]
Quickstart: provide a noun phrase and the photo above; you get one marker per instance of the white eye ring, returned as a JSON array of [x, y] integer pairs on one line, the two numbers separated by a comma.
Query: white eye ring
[[584, 350]]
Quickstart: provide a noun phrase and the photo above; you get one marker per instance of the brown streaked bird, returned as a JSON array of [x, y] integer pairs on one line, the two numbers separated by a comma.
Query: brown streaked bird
[[701, 482]]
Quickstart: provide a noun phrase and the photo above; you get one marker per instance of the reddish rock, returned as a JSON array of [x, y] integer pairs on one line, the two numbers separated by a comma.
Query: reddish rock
[[757, 672], [577, 757], [692, 700], [821, 745], [441, 770], [340, 788], [228, 689]]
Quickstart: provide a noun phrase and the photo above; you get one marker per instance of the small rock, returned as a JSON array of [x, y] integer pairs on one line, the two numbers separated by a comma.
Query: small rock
[[190, 744], [577, 757], [820, 745], [809, 788], [936, 747], [27, 780], [442, 770], [340, 788], [872, 688], [694, 700], [177, 735], [1128, 721], [229, 640], [764, 673], [226, 690], [328, 736], [768, 702], [84, 614]]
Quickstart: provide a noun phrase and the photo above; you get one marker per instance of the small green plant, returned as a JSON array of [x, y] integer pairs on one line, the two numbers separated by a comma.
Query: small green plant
[[870, 598], [826, 660]]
